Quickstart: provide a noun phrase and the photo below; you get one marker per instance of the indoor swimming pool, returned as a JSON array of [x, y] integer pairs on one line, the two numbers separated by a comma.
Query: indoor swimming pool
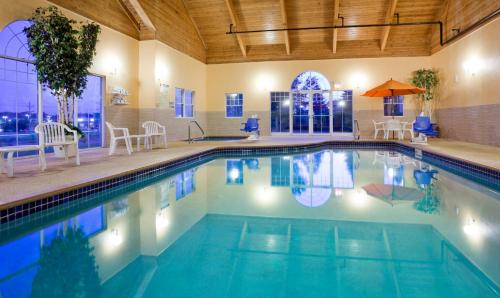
[[321, 223]]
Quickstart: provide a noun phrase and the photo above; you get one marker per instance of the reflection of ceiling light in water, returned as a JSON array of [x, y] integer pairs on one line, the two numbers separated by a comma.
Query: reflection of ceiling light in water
[[115, 237], [162, 220], [359, 198], [286, 103], [341, 103], [264, 195], [473, 229], [390, 173], [234, 174], [286, 157]]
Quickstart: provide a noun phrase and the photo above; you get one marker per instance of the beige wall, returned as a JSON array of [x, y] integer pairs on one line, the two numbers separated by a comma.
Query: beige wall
[[161, 64], [469, 97], [470, 69], [257, 79]]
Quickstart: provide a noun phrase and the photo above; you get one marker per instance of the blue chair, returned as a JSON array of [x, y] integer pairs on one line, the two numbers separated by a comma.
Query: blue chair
[[252, 126], [424, 128]]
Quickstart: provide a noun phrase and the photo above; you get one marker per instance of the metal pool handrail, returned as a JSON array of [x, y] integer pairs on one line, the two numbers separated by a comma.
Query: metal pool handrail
[[190, 140], [357, 134]]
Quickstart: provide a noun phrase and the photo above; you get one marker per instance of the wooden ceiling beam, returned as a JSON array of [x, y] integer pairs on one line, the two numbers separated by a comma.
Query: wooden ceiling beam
[[134, 21], [236, 21], [336, 8], [147, 29], [194, 24], [388, 19], [284, 20]]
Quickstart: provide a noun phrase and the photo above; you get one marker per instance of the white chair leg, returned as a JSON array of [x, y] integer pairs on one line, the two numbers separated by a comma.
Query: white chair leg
[[10, 164], [112, 147], [138, 144], [128, 145], [65, 147], [77, 154], [2, 164], [375, 135], [41, 157]]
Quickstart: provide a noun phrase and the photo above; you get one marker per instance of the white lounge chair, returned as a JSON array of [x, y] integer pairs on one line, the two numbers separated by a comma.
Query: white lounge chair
[[54, 134], [378, 126], [154, 129], [113, 138]]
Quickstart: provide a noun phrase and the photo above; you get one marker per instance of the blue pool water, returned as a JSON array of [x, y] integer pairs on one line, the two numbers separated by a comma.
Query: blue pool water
[[327, 223]]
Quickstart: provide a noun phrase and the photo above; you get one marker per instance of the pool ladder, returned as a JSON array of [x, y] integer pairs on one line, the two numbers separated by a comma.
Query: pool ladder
[[357, 133], [190, 140]]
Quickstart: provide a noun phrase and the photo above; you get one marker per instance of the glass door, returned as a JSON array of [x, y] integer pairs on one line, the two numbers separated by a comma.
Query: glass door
[[300, 112], [320, 112], [342, 111]]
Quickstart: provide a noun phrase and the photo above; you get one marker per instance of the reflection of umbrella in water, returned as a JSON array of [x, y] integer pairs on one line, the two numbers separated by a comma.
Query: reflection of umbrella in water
[[391, 193]]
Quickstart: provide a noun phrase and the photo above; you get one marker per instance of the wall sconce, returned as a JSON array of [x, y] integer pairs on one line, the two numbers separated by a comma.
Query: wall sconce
[[161, 74], [264, 82], [113, 65], [358, 81], [337, 86], [472, 66]]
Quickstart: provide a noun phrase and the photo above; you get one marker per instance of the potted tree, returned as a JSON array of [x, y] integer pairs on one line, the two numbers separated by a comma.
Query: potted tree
[[63, 50], [429, 80]]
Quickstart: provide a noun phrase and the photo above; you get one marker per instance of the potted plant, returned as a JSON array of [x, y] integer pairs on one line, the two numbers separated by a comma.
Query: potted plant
[[429, 80], [63, 50]]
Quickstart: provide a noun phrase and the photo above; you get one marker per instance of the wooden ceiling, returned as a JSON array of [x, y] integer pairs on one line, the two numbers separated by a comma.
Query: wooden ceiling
[[198, 27]]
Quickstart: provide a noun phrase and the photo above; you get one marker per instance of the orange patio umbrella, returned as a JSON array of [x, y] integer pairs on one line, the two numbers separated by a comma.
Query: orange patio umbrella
[[393, 88]]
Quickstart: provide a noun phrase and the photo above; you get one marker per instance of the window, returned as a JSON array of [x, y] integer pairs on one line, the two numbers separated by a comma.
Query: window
[[393, 105], [280, 112], [184, 184], [310, 80], [234, 105], [21, 109], [184, 103]]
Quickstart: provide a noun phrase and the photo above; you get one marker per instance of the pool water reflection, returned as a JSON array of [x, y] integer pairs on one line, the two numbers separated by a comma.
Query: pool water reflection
[[326, 223]]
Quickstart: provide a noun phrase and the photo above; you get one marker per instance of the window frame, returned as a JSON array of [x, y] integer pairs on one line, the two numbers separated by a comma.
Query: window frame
[[242, 104], [184, 104]]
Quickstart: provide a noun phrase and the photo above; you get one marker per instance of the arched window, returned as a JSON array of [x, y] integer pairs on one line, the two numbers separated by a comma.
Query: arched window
[[13, 42], [18, 82], [310, 80]]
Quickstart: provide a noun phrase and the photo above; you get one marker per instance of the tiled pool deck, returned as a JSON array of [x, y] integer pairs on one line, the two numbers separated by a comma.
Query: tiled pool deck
[[29, 184]]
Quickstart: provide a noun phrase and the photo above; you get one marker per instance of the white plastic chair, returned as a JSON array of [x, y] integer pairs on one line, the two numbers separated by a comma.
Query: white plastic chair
[[392, 125], [53, 134], [113, 138], [155, 129], [407, 127], [378, 126]]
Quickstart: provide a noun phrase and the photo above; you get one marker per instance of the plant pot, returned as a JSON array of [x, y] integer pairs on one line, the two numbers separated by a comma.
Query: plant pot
[[59, 150]]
